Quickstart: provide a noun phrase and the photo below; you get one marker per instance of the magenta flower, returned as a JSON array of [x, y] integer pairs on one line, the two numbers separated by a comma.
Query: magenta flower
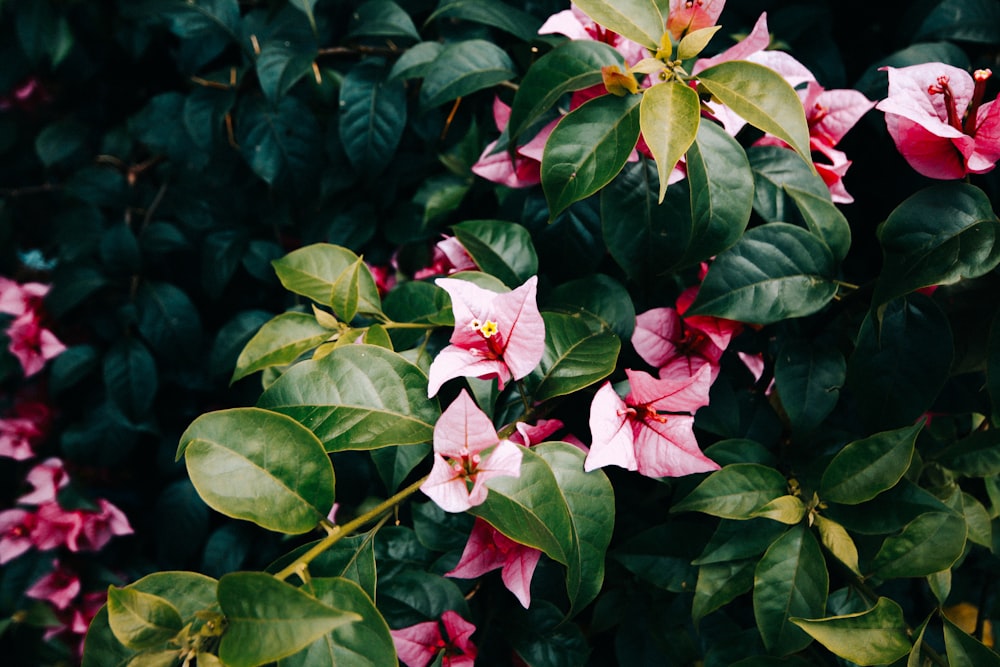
[[46, 479], [467, 453], [651, 430], [449, 257], [59, 587], [32, 344], [935, 116], [419, 644], [56, 527], [18, 437], [521, 170], [488, 549], [100, 526], [496, 335], [16, 526]]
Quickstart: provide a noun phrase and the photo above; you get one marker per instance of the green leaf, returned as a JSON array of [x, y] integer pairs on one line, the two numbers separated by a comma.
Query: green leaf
[[783, 509], [721, 192], [307, 7], [669, 115], [776, 271], [736, 540], [824, 219], [962, 21], [992, 367], [838, 542], [575, 357], [573, 65], [70, 367], [531, 509], [351, 558], [874, 637], [278, 142], [639, 20], [314, 271], [395, 462], [591, 503], [357, 397], [776, 171], [719, 584], [279, 342], [372, 116], [790, 581], [588, 148], [44, 33], [865, 468], [463, 68], [365, 643], [502, 249], [661, 555], [930, 543], [540, 636], [977, 455], [382, 18], [168, 321], [808, 378], [977, 518], [737, 491], [281, 64], [60, 141], [596, 295], [203, 116], [889, 388], [887, 512], [268, 619], [188, 592], [695, 42], [966, 651], [500, 15], [938, 236], [260, 466], [141, 620], [763, 98], [416, 61], [130, 377]]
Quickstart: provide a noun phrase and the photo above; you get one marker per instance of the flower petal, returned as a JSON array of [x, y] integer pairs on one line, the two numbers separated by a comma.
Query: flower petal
[[610, 432]]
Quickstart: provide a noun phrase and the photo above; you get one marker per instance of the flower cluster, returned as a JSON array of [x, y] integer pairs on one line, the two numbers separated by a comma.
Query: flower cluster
[[418, 645], [30, 342]]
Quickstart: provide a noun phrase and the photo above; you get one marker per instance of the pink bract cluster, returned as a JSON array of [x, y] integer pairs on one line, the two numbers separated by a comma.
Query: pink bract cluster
[[30, 342], [417, 645]]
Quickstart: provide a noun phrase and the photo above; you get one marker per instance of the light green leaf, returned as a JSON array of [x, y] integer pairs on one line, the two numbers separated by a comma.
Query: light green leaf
[[865, 468], [940, 235], [874, 637], [260, 466], [279, 342], [783, 509], [141, 620], [776, 271], [669, 115], [357, 397], [268, 619], [737, 491], [573, 65], [838, 542], [588, 148], [365, 643], [761, 97], [463, 68], [790, 581], [695, 42], [639, 20], [930, 543], [313, 271], [575, 356]]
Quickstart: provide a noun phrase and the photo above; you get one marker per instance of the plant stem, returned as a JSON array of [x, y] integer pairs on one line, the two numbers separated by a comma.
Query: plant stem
[[339, 532]]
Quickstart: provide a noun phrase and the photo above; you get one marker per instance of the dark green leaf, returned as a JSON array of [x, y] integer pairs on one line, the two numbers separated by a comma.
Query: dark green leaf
[[260, 466], [268, 619], [776, 271], [962, 21], [416, 62], [395, 462], [463, 68], [808, 378], [978, 455], [168, 321], [993, 367], [232, 338], [307, 7], [588, 148], [600, 296], [790, 581], [222, 253], [824, 220], [938, 236], [141, 620], [71, 366], [372, 116], [278, 142], [500, 15], [281, 64], [719, 584], [874, 637], [575, 357], [351, 558], [415, 596], [502, 249], [60, 141], [966, 651], [735, 492], [382, 18], [930, 543], [357, 397], [865, 468]]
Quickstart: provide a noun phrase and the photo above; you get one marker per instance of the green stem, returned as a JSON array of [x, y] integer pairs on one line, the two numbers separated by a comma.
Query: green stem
[[524, 396], [339, 532]]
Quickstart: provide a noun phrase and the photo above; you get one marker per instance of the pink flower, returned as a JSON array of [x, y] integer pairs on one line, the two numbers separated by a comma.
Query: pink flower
[[59, 587], [651, 430], [532, 434], [99, 527], [467, 451], [384, 276], [679, 347], [18, 437], [488, 549], [419, 644], [449, 257], [56, 527], [495, 335], [521, 171], [32, 344], [935, 116], [575, 24], [17, 299], [16, 526], [46, 479], [689, 15]]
